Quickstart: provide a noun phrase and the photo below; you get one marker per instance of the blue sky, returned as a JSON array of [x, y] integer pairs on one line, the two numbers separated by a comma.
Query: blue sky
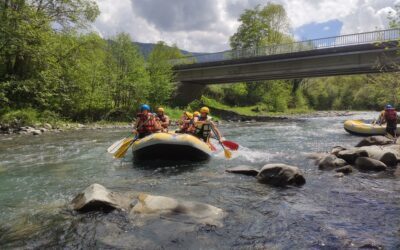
[[318, 30]]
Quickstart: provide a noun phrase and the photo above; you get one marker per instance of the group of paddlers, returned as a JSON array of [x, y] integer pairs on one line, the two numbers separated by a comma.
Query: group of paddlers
[[198, 123]]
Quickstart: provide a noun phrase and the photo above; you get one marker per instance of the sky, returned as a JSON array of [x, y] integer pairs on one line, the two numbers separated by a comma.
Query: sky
[[206, 25]]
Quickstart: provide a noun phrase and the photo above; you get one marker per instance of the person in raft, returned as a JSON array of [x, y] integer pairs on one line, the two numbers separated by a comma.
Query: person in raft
[[204, 126], [146, 123], [389, 116], [185, 122], [163, 119]]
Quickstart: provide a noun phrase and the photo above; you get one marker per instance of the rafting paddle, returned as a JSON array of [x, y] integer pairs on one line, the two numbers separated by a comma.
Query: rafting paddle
[[231, 145], [116, 145], [120, 153], [228, 154]]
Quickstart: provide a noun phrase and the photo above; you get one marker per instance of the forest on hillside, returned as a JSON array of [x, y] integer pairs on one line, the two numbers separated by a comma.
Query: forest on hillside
[[53, 66]]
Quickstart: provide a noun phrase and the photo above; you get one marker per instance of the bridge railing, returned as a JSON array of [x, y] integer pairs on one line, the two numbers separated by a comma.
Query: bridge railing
[[322, 43]]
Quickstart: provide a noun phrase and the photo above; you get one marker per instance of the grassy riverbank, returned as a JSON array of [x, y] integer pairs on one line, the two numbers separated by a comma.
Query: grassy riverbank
[[15, 119], [254, 110]]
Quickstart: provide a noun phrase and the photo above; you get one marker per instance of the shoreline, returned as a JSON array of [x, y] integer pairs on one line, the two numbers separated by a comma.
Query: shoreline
[[225, 117]]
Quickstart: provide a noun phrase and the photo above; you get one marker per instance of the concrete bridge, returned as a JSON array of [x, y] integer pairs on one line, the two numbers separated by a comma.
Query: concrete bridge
[[370, 52]]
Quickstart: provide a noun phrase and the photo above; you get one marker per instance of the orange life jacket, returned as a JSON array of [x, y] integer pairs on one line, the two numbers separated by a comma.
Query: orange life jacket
[[146, 124]]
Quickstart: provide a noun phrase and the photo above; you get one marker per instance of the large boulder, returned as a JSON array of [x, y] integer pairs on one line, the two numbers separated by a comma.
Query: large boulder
[[242, 169], [278, 174], [369, 164], [350, 155], [378, 140], [160, 205], [395, 149], [331, 162], [385, 154], [98, 198]]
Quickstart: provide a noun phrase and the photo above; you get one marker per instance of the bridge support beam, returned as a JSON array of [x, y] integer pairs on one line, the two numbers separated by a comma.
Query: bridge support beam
[[188, 92]]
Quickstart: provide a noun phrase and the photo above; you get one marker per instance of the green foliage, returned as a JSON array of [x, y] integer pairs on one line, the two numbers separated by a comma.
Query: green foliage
[[161, 74], [262, 26], [18, 118], [48, 63]]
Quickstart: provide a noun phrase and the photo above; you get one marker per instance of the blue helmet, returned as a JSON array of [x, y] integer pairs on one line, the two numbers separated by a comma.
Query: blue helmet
[[388, 106], [144, 107]]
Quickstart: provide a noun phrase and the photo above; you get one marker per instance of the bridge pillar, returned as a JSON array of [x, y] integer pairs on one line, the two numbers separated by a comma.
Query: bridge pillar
[[188, 92]]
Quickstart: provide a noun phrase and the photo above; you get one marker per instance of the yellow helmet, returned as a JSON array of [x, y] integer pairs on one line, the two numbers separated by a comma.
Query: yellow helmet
[[205, 110], [189, 115], [196, 113], [160, 109]]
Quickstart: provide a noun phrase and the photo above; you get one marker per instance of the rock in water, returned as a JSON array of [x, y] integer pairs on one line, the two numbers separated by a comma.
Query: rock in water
[[350, 155], [368, 164], [336, 149], [202, 213], [374, 140], [281, 175], [330, 162], [98, 198], [387, 155], [389, 159], [242, 169], [345, 170]]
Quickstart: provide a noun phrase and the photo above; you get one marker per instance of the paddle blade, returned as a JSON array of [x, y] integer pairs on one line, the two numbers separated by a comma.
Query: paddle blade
[[228, 154], [231, 145], [120, 153], [114, 147]]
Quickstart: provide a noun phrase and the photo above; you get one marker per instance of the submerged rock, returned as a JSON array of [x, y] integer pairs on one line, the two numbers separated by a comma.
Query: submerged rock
[[369, 164], [281, 175], [200, 212], [345, 169], [242, 169], [98, 198], [330, 162], [36, 132], [339, 175], [374, 140]]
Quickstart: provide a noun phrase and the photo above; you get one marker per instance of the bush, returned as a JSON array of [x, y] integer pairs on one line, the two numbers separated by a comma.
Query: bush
[[120, 115], [19, 118]]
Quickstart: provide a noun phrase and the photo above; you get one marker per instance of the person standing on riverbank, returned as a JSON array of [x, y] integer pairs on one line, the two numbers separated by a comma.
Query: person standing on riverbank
[[389, 115]]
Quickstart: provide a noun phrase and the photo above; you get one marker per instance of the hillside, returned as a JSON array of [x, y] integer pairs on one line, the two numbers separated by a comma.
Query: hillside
[[146, 48]]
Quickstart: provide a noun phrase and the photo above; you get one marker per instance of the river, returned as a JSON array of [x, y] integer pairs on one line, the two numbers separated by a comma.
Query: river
[[40, 175]]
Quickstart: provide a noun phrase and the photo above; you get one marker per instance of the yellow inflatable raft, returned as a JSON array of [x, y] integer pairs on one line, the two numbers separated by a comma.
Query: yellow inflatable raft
[[360, 127], [171, 146]]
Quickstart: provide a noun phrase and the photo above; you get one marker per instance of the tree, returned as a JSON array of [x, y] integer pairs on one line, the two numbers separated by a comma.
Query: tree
[[132, 79], [261, 27], [161, 74]]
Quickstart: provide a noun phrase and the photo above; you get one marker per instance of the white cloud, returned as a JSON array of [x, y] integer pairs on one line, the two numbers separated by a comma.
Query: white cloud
[[205, 26]]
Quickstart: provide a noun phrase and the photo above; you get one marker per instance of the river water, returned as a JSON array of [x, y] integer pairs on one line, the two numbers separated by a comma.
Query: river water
[[40, 175]]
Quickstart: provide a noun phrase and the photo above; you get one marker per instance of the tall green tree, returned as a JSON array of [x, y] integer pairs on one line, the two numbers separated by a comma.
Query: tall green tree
[[161, 74], [262, 26], [131, 85]]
